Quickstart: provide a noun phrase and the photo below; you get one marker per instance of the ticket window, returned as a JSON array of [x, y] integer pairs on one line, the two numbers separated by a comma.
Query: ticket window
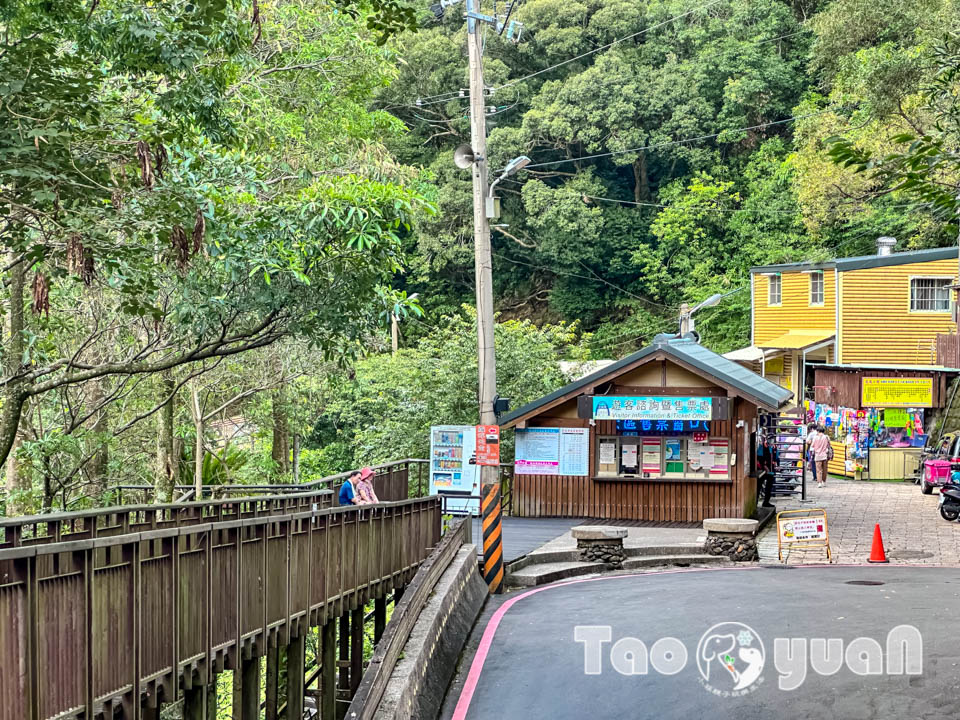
[[667, 457]]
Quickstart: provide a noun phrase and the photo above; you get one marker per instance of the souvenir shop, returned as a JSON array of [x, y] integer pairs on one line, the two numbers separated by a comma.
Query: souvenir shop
[[878, 419]]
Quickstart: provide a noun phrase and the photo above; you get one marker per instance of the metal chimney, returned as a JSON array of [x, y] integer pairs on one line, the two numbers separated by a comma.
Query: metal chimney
[[885, 245]]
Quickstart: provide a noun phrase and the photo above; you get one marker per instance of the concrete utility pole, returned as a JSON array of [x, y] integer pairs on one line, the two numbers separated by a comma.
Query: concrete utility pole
[[483, 261], [394, 333]]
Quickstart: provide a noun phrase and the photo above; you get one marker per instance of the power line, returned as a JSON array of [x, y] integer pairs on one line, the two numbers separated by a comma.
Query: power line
[[604, 47], [671, 143], [524, 78], [594, 278], [693, 207]]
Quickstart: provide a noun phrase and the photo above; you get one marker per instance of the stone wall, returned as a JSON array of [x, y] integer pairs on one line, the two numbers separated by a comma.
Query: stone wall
[[740, 548]]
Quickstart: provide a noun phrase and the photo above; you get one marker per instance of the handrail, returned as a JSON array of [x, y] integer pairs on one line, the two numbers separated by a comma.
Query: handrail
[[274, 486], [109, 522]]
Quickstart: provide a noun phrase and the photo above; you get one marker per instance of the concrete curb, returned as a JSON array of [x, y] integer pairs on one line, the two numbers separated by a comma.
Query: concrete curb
[[419, 681]]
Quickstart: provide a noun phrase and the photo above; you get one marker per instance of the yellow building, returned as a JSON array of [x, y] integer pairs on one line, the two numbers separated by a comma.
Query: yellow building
[[885, 309], [857, 339]]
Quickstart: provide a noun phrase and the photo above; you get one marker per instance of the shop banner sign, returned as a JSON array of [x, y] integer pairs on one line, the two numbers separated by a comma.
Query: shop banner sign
[[488, 445], [652, 407], [552, 451], [885, 392]]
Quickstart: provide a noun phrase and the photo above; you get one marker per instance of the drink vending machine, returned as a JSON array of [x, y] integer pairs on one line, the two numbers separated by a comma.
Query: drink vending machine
[[452, 475]]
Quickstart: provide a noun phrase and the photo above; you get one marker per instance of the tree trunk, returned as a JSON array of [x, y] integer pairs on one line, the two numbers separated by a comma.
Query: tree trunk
[[198, 443], [167, 461], [281, 437], [14, 396], [641, 181], [97, 467], [296, 457]]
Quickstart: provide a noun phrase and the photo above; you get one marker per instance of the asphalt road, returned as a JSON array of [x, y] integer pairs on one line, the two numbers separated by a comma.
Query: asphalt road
[[523, 662]]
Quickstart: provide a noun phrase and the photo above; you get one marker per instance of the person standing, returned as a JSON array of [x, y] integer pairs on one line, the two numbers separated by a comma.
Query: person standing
[[811, 436], [820, 448]]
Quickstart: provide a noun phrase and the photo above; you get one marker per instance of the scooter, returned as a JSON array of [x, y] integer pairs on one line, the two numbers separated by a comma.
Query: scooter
[[950, 501]]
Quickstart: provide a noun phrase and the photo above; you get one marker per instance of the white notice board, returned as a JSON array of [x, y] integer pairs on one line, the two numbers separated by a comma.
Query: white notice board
[[552, 451]]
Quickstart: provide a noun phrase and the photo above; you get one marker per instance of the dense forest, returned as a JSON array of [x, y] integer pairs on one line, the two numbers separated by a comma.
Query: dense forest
[[210, 212]]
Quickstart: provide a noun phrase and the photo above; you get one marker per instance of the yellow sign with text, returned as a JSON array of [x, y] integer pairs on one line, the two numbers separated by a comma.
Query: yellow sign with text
[[894, 392]]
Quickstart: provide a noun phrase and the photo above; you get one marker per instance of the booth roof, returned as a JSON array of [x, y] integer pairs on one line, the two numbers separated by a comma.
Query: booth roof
[[727, 372]]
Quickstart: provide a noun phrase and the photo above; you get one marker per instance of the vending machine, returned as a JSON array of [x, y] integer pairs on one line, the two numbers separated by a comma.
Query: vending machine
[[452, 475]]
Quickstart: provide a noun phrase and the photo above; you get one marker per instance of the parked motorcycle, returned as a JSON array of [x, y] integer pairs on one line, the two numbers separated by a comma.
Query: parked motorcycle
[[950, 501]]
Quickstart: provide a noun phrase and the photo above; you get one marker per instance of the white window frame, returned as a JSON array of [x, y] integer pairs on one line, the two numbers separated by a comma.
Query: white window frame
[[770, 279], [813, 301], [935, 311]]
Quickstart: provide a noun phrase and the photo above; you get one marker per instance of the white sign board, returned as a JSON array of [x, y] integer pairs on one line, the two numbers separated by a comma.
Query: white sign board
[[552, 451]]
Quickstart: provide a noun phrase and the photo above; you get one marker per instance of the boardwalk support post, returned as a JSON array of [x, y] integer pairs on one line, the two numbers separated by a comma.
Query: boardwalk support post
[[250, 689], [272, 679], [379, 618], [356, 649], [295, 671], [195, 703], [328, 670]]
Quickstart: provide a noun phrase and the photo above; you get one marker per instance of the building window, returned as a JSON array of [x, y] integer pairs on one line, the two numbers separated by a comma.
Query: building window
[[930, 294], [774, 295], [816, 287]]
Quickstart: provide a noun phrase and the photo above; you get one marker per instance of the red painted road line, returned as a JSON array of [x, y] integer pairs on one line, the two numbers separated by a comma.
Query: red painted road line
[[486, 642]]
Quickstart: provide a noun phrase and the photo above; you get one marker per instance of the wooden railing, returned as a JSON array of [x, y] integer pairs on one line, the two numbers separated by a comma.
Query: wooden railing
[[389, 479], [108, 522], [108, 611]]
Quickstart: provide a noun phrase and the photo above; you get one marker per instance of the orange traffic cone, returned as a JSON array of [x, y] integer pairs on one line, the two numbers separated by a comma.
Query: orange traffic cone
[[877, 555]]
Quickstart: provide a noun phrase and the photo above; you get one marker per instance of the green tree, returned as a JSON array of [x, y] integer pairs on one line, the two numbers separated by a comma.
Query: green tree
[[384, 408]]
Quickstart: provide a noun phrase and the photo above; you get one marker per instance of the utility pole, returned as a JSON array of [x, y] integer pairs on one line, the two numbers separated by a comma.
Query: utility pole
[[394, 333], [483, 261]]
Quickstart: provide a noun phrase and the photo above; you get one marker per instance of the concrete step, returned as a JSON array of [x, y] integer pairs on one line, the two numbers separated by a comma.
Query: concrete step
[[675, 549], [646, 561], [543, 573], [573, 555]]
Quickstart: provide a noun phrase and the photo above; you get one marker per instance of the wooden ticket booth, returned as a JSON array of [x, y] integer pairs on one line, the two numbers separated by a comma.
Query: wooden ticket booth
[[666, 435]]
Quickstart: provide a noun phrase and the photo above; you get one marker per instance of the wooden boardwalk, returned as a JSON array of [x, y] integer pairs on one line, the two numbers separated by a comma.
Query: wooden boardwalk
[[113, 613]]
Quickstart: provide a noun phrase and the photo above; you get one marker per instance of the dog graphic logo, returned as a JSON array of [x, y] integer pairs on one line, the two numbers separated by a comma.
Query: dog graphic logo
[[730, 658]]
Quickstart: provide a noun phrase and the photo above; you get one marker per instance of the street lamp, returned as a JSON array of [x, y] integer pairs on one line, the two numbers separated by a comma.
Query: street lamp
[[686, 312], [514, 166]]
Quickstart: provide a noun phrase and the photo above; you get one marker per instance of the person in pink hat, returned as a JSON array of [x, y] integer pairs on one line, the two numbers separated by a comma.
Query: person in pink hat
[[365, 492]]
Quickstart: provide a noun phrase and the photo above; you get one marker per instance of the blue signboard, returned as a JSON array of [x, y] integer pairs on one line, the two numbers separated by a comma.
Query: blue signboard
[[623, 407], [661, 427]]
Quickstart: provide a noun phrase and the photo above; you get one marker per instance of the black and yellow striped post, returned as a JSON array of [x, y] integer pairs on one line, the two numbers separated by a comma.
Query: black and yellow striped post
[[492, 515]]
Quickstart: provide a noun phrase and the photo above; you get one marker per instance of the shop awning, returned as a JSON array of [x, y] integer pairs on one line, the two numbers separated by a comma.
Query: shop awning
[[798, 339]]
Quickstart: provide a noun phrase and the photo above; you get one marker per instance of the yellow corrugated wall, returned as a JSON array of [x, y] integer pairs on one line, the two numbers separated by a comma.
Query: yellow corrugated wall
[[795, 311], [876, 323]]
